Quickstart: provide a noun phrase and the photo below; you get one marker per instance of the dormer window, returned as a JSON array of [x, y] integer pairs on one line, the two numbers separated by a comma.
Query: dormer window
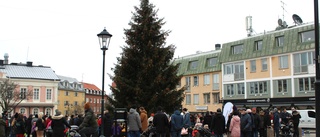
[[306, 36], [193, 65], [280, 41], [258, 45], [237, 49], [211, 62]]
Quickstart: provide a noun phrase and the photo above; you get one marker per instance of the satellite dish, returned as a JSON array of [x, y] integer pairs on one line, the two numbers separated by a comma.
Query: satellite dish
[[284, 23], [280, 22], [297, 19], [227, 109]]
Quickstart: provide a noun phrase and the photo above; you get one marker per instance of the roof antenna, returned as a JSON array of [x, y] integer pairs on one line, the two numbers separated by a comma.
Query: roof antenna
[[283, 10], [27, 53]]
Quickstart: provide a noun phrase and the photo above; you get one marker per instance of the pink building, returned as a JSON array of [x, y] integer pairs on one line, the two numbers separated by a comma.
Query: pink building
[[40, 80]]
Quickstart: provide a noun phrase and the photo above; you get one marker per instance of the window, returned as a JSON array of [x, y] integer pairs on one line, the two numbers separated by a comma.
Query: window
[[36, 94], [188, 83], [283, 62], [76, 103], [240, 88], [195, 81], [258, 45], [228, 69], [179, 84], [237, 49], [193, 65], [253, 66], [206, 98], [230, 90], [301, 62], [307, 36], [206, 79], [306, 84], [75, 94], [238, 71], [22, 110], [211, 62], [215, 82], [216, 98], [66, 103], [264, 64], [23, 93], [49, 92], [94, 100], [35, 111], [48, 111], [66, 93], [196, 99], [282, 86], [280, 41], [87, 99], [188, 99], [258, 87]]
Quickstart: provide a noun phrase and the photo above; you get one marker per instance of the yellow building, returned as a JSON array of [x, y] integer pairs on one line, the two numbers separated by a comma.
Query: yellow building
[[71, 96], [201, 76]]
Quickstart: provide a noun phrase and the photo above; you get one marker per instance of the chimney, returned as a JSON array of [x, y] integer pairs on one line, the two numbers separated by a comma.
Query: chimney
[[29, 64], [217, 46], [6, 58]]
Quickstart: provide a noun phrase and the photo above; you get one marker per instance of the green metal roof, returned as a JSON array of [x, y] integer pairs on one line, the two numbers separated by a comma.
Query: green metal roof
[[202, 63], [291, 44]]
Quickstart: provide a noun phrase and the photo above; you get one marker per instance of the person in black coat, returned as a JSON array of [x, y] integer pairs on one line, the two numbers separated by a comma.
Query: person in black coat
[[20, 126], [218, 124], [58, 124], [107, 124], [207, 119], [28, 125], [161, 122]]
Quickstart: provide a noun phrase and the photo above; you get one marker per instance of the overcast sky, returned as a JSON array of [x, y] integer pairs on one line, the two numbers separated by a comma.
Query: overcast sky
[[62, 34]]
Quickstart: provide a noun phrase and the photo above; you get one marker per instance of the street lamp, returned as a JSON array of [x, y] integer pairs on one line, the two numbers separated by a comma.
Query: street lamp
[[104, 40]]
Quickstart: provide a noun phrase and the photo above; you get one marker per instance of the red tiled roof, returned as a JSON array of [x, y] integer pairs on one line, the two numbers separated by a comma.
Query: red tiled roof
[[90, 86]]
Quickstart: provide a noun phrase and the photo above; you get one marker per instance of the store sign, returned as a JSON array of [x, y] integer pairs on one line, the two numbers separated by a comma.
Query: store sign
[[201, 107]]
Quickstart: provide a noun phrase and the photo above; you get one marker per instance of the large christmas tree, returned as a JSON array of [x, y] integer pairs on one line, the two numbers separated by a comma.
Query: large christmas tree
[[144, 74]]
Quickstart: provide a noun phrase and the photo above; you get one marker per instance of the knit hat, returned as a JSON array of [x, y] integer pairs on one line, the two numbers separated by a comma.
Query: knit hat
[[86, 105]]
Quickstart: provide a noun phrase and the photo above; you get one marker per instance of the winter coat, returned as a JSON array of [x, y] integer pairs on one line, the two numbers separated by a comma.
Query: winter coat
[[276, 120], [161, 122], [256, 121], [296, 117], [176, 121], [207, 120], [134, 122], [246, 123], [107, 125], [235, 126], [144, 120], [58, 124], [2, 127], [266, 120], [40, 124], [20, 127], [218, 124], [186, 120], [28, 124], [89, 120]]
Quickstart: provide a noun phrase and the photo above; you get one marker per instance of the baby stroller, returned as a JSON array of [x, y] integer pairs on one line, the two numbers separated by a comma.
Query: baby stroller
[[286, 129], [204, 132], [150, 132], [73, 131]]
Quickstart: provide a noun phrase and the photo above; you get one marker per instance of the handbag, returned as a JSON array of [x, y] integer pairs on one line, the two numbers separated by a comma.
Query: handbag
[[184, 131]]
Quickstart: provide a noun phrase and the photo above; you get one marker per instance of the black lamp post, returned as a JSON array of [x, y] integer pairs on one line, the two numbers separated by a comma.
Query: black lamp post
[[104, 40]]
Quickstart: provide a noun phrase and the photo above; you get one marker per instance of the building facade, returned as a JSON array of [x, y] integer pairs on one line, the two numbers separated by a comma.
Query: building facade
[[93, 96], [276, 68], [202, 80], [71, 96], [40, 81]]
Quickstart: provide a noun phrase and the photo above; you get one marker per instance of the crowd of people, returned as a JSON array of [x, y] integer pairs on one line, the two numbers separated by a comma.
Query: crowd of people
[[249, 122]]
